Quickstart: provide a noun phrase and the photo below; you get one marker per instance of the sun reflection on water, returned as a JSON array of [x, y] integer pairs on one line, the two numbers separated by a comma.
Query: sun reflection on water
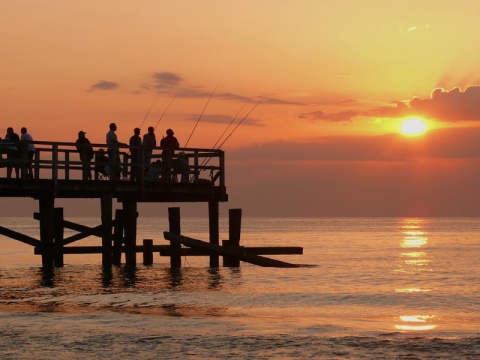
[[415, 322], [414, 258]]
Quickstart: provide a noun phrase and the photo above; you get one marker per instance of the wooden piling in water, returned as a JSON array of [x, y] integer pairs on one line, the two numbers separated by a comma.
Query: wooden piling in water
[[214, 230], [174, 225], [147, 251], [58, 237], [130, 216], [46, 207], [106, 210], [118, 237], [234, 229]]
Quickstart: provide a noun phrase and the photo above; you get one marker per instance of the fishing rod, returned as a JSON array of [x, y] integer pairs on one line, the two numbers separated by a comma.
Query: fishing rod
[[206, 160], [148, 112], [211, 95], [235, 128], [161, 117], [231, 122], [241, 121]]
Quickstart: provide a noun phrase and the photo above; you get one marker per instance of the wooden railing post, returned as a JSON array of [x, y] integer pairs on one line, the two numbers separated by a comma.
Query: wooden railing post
[[67, 165], [55, 163]]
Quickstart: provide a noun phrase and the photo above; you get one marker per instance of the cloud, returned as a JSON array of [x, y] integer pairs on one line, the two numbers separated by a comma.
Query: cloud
[[225, 119], [345, 116], [443, 105], [104, 85], [450, 143], [450, 106], [166, 80]]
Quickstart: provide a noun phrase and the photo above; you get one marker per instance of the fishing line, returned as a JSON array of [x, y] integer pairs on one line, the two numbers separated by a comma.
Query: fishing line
[[235, 128], [211, 95], [161, 117], [148, 112], [206, 160], [241, 121]]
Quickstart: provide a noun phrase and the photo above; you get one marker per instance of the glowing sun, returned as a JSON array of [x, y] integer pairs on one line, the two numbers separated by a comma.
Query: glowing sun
[[413, 127]]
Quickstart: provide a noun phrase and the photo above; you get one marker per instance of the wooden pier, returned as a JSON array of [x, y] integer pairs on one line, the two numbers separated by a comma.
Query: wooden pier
[[58, 173]]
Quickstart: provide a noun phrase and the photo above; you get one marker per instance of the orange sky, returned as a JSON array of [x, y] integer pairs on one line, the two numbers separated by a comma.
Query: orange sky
[[337, 80]]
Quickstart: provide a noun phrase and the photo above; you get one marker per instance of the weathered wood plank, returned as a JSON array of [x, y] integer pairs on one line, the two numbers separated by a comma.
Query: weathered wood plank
[[167, 250], [18, 236], [241, 253]]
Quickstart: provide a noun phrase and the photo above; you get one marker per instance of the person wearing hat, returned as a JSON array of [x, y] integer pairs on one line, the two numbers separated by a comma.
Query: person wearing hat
[[135, 148], [168, 143], [85, 151]]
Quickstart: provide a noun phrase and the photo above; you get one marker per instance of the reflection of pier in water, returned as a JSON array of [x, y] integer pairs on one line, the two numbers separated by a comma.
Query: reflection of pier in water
[[58, 173]]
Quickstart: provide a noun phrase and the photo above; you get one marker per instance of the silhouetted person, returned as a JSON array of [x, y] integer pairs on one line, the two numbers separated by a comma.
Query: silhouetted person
[[30, 150], [135, 152], [149, 142], [101, 162], [168, 144], [154, 171], [85, 151], [113, 151], [13, 153]]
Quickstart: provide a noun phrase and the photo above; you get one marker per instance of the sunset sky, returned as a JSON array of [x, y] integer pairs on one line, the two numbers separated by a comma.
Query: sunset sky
[[337, 79]]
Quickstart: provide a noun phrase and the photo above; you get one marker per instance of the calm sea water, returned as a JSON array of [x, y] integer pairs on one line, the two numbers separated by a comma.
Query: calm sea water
[[380, 288]]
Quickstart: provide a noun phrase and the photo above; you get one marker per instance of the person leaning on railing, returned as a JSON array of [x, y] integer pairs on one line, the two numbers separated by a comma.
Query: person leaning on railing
[[168, 144], [13, 153], [85, 151]]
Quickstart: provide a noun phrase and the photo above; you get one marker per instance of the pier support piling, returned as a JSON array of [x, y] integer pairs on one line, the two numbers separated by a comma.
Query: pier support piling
[[147, 251], [46, 205], [118, 237], [58, 238], [234, 229], [174, 225], [106, 209], [130, 216], [214, 229]]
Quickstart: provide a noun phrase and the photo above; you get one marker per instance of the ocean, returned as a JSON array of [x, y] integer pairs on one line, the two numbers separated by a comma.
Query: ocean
[[376, 288]]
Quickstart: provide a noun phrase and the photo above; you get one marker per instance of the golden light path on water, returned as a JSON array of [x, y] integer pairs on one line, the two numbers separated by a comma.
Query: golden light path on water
[[415, 259]]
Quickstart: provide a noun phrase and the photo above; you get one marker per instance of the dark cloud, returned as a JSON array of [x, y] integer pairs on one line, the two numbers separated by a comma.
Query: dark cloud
[[166, 80], [104, 85], [453, 105]]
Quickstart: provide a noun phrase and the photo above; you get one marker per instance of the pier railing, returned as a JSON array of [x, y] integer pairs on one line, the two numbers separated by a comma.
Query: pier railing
[[61, 161]]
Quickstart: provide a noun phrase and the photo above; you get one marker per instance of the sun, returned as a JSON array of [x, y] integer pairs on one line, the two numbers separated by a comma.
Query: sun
[[413, 127]]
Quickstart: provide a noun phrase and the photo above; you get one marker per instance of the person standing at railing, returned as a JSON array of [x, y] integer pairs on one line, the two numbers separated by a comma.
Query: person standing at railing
[[85, 151], [30, 150], [168, 144], [113, 151], [13, 153], [135, 152], [149, 142]]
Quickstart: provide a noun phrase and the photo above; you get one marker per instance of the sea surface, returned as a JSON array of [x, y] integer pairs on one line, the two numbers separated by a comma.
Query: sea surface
[[376, 288]]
